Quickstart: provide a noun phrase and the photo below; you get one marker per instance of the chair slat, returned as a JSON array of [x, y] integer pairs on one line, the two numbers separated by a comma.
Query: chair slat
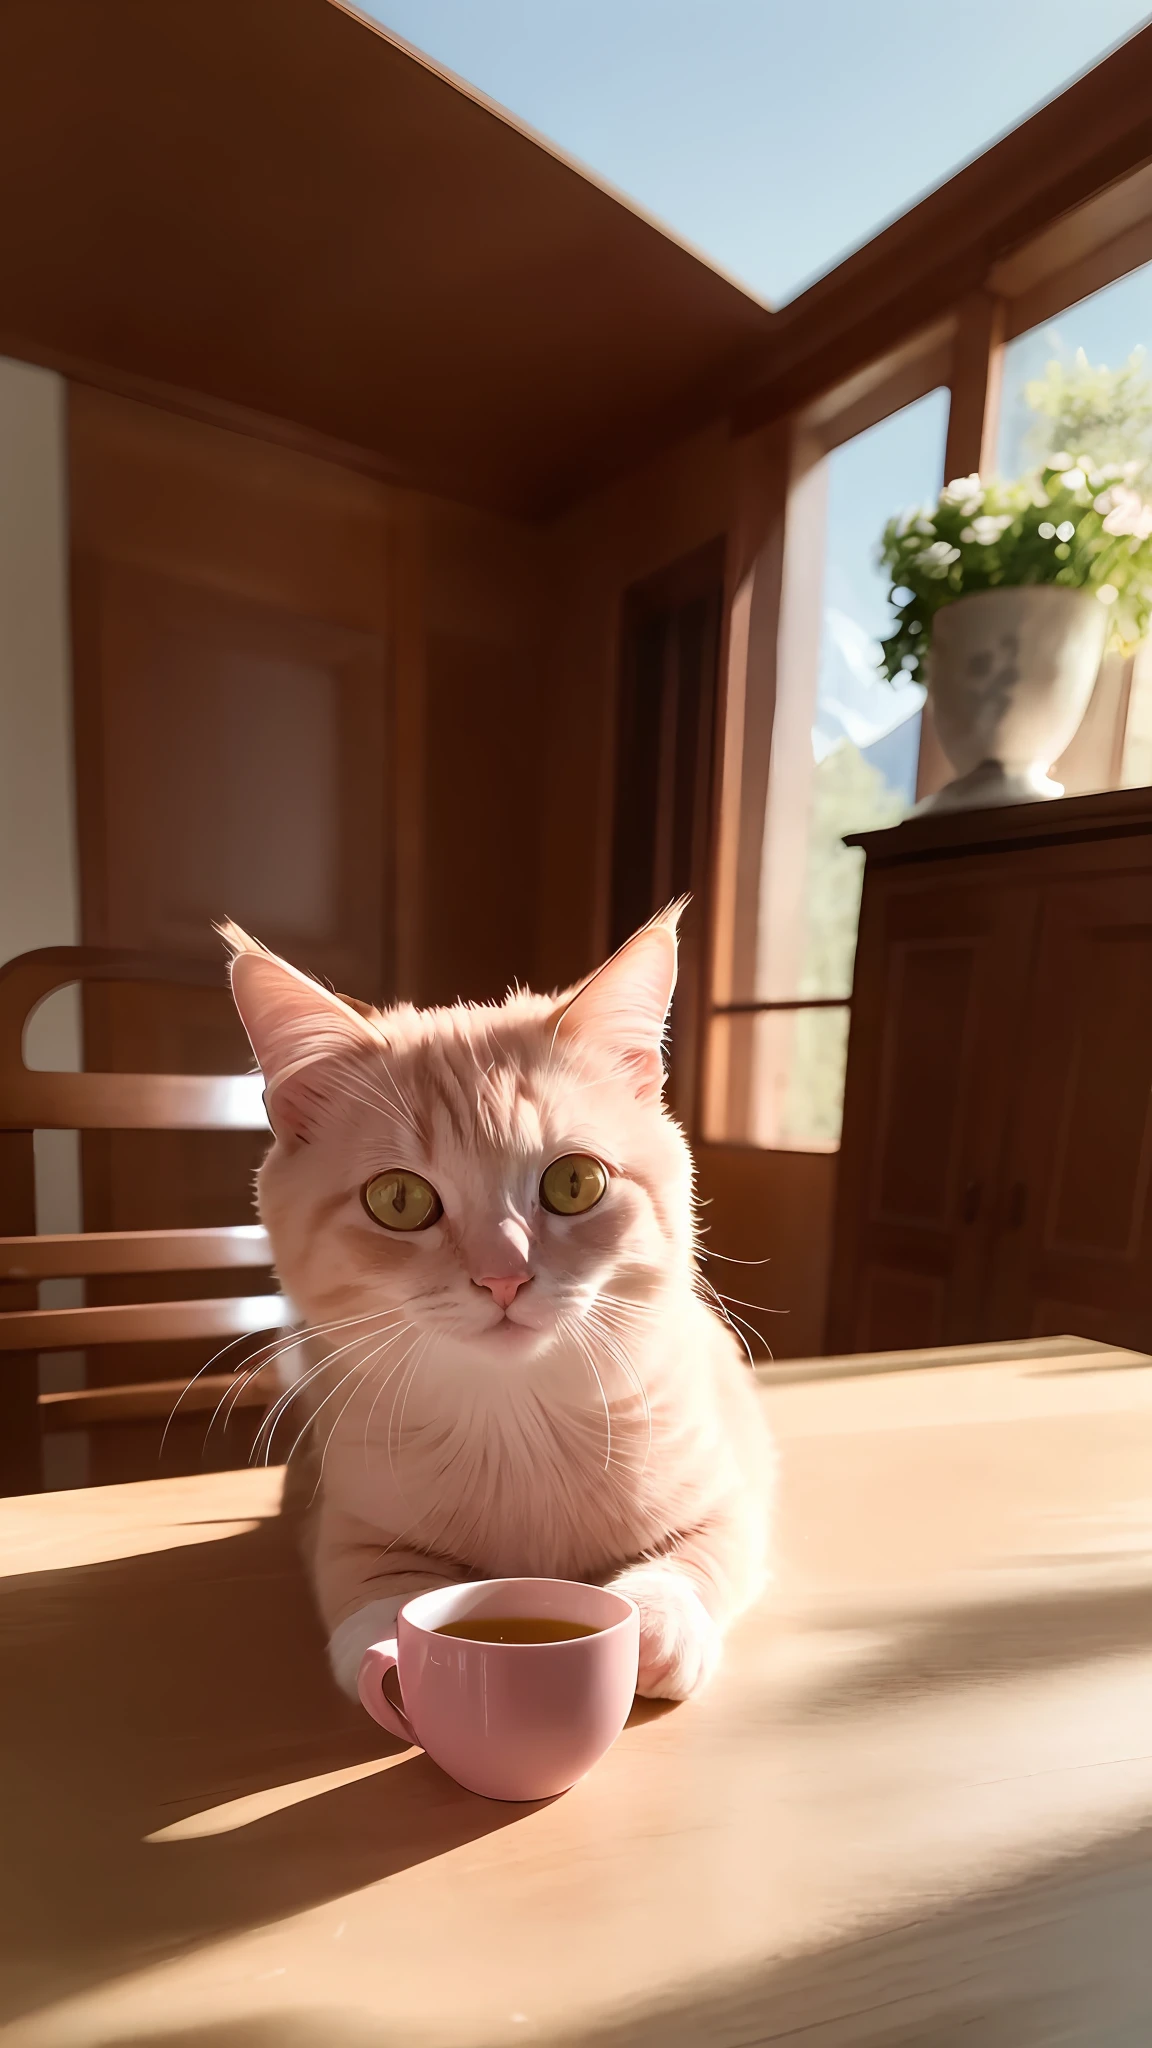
[[134, 1251], [154, 1400], [145, 1322], [37, 1101]]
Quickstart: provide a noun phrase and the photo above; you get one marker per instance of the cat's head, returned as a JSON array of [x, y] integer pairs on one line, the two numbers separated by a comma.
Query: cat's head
[[504, 1175]]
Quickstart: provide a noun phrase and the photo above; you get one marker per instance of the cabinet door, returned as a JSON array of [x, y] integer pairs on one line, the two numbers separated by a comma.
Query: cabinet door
[[940, 984], [1074, 1246]]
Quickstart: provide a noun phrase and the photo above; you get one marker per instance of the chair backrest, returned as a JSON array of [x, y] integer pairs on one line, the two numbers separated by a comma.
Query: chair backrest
[[32, 1100]]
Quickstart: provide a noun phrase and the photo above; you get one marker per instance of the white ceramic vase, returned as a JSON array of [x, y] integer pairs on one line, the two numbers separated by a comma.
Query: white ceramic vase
[[1010, 674]]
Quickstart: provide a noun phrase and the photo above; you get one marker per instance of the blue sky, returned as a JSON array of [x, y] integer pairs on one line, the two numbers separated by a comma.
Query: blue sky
[[771, 134], [774, 135]]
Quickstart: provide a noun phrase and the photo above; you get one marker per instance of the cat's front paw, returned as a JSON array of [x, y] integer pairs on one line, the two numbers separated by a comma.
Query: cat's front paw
[[679, 1641]]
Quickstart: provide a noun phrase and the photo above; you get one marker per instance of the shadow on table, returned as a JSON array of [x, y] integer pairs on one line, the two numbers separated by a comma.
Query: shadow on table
[[1059, 1960], [1056, 1961], [983, 1642], [143, 1691]]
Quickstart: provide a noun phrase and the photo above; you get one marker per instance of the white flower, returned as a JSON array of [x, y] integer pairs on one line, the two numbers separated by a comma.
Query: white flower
[[1127, 513], [1046, 530], [1107, 593], [986, 531], [1065, 530], [1073, 479], [936, 560], [1061, 460], [966, 493], [1040, 496], [922, 525], [961, 488]]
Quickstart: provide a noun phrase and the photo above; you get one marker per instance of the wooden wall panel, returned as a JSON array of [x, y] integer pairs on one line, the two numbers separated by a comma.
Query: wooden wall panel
[[233, 757], [244, 770], [484, 818], [767, 1226]]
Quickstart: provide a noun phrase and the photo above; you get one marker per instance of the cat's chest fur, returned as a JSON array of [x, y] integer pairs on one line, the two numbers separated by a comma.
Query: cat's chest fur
[[517, 1488]]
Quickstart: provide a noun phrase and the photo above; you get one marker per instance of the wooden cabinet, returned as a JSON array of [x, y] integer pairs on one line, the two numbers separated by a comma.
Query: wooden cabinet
[[995, 1167]]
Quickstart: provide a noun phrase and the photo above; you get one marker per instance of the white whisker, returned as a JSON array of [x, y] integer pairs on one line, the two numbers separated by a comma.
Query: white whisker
[[384, 1383], [391, 1415], [285, 1399]]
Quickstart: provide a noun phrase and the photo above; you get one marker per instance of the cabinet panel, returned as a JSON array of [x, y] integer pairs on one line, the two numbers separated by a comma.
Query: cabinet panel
[[900, 1311], [1077, 1223], [941, 980], [931, 992], [1099, 1179]]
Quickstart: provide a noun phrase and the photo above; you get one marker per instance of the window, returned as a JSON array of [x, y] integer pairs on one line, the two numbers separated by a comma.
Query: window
[[1086, 374], [844, 756], [1083, 381]]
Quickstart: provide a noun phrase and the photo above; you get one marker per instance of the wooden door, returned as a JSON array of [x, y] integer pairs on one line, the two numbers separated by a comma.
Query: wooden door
[[1074, 1250], [233, 759], [941, 979]]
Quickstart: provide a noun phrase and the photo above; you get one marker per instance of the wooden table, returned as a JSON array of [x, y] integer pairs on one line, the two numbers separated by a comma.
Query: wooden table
[[915, 1809]]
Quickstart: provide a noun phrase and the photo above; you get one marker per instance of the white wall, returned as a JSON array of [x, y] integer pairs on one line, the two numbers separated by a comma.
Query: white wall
[[38, 894], [38, 880]]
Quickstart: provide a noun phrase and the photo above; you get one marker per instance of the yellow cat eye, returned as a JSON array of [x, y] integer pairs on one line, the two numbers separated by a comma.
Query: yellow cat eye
[[402, 1201], [573, 1184]]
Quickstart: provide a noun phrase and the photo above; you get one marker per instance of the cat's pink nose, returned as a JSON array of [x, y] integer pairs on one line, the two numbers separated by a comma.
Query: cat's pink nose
[[504, 1292]]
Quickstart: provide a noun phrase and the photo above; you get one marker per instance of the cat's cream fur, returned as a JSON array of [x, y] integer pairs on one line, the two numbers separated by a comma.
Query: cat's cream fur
[[604, 1425]]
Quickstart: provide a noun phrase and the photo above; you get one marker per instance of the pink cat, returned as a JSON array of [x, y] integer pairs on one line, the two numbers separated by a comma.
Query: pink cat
[[486, 1215]]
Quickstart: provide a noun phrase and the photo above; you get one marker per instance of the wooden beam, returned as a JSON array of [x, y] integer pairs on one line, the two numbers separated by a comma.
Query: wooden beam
[[973, 424], [977, 366]]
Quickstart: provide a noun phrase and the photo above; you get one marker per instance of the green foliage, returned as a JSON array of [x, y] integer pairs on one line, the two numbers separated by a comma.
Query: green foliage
[[1105, 414], [1070, 523], [848, 795]]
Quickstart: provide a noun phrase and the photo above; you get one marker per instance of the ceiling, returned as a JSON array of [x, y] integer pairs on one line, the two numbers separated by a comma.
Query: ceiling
[[272, 203]]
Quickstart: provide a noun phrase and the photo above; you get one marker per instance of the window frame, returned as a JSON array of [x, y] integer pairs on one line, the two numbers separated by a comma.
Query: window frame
[[1072, 255]]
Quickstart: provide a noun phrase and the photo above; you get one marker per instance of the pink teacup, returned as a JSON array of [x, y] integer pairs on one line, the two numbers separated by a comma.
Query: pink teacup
[[509, 1720]]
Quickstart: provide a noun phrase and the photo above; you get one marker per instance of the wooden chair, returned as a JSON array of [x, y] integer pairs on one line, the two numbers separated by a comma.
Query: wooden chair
[[33, 1100]]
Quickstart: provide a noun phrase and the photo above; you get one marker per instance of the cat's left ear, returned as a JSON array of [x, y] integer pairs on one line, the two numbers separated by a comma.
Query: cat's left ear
[[624, 1008], [295, 1028]]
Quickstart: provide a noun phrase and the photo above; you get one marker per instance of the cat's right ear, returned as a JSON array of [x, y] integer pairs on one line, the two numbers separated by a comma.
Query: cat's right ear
[[292, 1024]]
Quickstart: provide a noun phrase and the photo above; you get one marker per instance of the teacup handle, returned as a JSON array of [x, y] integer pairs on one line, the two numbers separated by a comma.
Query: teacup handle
[[378, 1660]]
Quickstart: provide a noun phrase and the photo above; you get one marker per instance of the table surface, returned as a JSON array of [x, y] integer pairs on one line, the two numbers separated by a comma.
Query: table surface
[[916, 1807]]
